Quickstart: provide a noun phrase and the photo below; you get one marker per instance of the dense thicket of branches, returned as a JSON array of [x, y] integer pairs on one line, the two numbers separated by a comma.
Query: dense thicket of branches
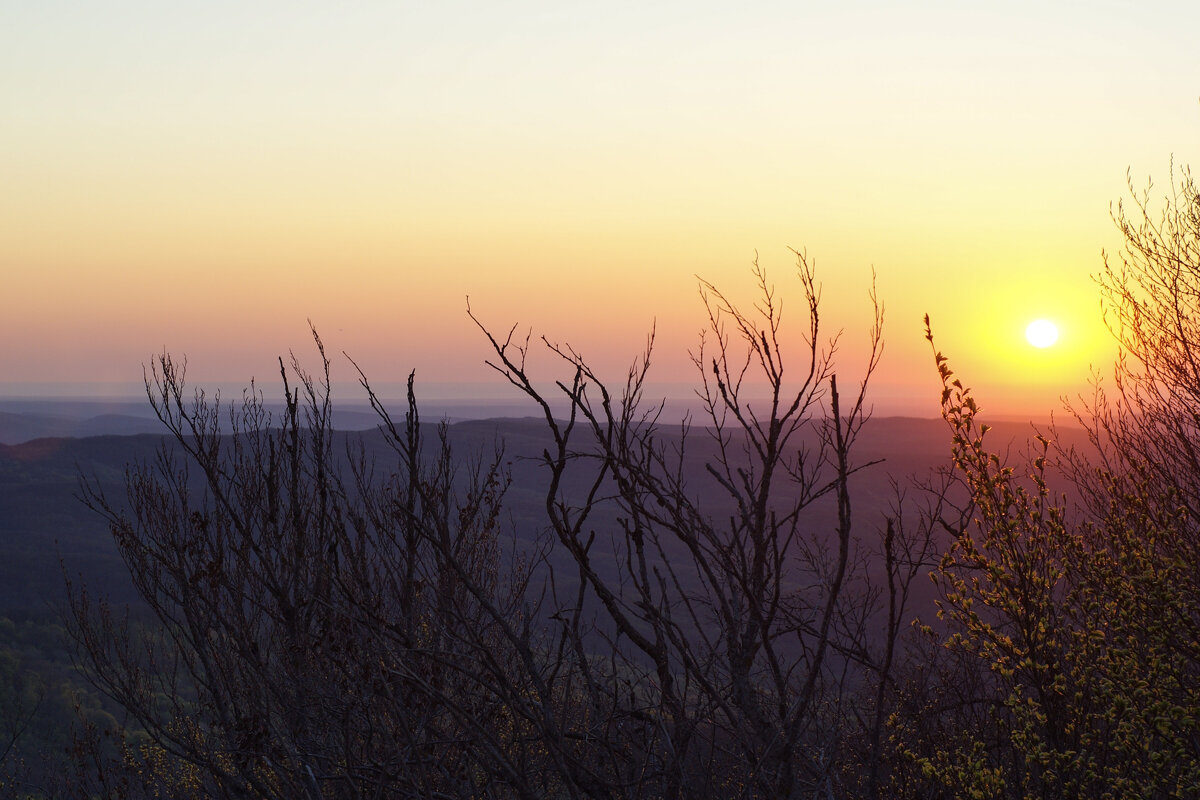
[[328, 624], [319, 627], [738, 616], [1074, 621]]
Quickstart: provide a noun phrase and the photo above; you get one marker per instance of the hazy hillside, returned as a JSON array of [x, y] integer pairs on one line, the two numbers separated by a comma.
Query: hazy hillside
[[43, 521], [22, 420], [25, 420]]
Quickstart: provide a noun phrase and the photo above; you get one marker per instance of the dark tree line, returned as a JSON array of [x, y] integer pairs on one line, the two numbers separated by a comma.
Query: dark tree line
[[327, 623], [333, 625]]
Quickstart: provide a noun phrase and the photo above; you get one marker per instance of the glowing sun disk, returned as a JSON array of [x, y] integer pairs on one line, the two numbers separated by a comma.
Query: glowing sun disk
[[1041, 333]]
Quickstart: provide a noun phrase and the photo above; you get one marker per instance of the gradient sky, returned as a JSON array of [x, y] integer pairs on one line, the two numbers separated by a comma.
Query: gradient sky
[[205, 178]]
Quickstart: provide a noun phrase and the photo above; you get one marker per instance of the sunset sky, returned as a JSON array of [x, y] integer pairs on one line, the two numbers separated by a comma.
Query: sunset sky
[[206, 178]]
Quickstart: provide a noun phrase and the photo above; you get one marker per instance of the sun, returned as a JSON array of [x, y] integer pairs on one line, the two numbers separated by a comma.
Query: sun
[[1041, 333]]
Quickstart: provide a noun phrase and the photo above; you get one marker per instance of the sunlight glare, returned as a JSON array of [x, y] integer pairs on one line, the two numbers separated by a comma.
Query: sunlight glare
[[1041, 333]]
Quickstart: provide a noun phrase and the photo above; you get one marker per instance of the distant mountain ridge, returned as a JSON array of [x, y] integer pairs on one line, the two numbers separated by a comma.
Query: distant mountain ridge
[[23, 420], [18, 428], [21, 428]]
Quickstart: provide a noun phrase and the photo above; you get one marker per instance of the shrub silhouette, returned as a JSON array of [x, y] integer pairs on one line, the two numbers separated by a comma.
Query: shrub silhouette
[[1074, 622], [326, 626]]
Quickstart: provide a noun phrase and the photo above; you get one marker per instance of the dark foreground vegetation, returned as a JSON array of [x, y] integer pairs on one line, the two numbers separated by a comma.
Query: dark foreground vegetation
[[694, 612]]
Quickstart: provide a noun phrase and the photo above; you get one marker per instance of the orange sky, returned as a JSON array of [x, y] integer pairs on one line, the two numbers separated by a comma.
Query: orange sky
[[207, 177]]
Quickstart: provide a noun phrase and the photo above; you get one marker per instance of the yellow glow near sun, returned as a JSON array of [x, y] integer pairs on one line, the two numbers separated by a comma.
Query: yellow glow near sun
[[1041, 333]]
